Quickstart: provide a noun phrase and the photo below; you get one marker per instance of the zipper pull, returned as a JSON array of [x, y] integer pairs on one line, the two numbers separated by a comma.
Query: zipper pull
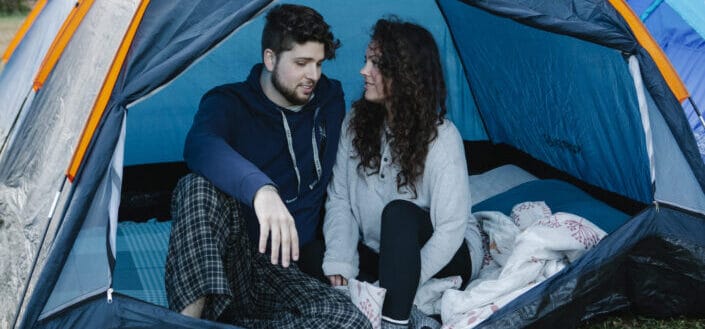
[[110, 295]]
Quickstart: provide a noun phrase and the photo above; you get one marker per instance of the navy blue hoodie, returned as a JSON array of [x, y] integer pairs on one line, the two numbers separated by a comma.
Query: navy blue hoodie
[[238, 142]]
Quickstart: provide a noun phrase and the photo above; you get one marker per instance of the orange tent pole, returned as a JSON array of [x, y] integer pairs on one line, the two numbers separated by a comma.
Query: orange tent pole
[[62, 39], [105, 93], [19, 36], [647, 41]]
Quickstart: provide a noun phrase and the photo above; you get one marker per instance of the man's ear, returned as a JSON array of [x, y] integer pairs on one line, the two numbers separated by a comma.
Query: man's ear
[[269, 58]]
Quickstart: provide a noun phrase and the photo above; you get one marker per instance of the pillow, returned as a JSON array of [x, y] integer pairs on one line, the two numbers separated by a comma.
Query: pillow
[[497, 180], [560, 197]]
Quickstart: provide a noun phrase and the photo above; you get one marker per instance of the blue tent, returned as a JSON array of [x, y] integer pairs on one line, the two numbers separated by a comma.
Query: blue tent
[[570, 90], [679, 28]]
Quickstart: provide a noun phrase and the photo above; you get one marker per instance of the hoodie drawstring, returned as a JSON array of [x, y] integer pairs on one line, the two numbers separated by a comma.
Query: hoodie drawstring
[[314, 144]]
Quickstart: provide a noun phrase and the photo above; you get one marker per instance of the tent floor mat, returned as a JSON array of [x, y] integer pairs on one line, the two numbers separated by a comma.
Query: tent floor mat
[[140, 259]]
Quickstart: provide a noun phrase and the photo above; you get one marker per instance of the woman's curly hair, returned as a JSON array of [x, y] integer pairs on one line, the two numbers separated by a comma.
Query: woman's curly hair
[[410, 66]]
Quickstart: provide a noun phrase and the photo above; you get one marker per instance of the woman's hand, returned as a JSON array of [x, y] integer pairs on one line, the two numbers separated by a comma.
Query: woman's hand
[[337, 280]]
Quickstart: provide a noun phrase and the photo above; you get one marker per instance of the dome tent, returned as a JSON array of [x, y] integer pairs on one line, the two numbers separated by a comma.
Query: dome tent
[[577, 86]]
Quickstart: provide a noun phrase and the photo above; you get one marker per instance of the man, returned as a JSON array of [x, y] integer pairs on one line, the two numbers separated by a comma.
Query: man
[[262, 153]]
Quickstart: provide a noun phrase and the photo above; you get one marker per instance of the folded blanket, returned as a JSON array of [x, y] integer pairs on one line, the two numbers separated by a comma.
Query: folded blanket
[[524, 249]]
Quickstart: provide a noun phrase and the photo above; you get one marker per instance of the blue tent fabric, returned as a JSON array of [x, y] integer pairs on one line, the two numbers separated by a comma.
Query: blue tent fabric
[[201, 25], [124, 312], [151, 139], [562, 18], [684, 43], [574, 18], [570, 134], [672, 112]]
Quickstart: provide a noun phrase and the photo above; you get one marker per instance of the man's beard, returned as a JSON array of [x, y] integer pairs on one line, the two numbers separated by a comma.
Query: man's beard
[[289, 94]]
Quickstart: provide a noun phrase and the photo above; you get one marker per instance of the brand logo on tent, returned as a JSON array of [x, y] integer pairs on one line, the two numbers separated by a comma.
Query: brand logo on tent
[[563, 144]]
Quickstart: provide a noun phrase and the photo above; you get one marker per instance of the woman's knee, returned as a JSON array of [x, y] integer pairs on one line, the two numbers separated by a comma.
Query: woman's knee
[[398, 210], [400, 218]]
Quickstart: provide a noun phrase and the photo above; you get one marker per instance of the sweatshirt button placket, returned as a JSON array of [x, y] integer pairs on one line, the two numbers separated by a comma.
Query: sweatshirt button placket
[[384, 165]]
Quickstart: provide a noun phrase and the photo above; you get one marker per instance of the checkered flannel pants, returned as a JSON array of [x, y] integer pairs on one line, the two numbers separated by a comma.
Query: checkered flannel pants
[[211, 255]]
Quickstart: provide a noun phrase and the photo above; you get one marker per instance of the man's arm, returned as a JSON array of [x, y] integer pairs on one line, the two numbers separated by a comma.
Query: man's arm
[[209, 153]]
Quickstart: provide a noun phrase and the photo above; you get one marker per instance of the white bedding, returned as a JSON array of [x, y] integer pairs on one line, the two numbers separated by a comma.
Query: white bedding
[[526, 248]]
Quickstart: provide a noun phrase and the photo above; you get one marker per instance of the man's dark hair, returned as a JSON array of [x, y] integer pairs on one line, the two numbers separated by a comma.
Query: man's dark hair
[[288, 24]]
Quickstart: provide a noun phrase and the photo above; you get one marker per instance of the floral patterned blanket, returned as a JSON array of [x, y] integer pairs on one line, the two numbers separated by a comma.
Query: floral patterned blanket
[[521, 251]]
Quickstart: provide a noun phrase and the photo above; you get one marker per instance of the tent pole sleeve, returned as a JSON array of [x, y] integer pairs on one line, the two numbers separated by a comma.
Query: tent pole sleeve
[[651, 46], [62, 39], [105, 92]]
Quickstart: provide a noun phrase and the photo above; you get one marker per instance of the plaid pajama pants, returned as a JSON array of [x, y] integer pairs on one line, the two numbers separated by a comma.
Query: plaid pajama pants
[[211, 255]]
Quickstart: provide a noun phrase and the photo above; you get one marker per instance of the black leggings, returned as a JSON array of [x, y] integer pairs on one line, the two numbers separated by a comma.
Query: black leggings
[[405, 229]]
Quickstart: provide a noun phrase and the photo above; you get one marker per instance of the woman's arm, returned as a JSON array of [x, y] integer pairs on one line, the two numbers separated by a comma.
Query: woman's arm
[[340, 228], [447, 177]]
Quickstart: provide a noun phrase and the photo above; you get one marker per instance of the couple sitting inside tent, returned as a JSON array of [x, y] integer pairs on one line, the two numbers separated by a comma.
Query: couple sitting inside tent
[[265, 152]]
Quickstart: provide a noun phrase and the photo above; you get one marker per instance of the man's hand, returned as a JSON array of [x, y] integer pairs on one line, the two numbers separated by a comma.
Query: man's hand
[[275, 218], [337, 280]]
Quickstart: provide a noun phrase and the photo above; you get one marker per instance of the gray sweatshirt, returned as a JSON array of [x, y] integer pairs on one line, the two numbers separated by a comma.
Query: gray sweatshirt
[[355, 203]]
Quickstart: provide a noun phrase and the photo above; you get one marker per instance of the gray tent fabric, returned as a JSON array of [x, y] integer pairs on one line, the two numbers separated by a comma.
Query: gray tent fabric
[[22, 67], [210, 17], [33, 167], [87, 270]]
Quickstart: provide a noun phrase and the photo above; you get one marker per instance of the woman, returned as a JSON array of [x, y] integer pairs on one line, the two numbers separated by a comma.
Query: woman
[[399, 202]]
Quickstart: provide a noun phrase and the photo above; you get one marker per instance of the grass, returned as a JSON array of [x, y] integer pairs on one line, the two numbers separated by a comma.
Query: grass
[[628, 321], [8, 27]]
